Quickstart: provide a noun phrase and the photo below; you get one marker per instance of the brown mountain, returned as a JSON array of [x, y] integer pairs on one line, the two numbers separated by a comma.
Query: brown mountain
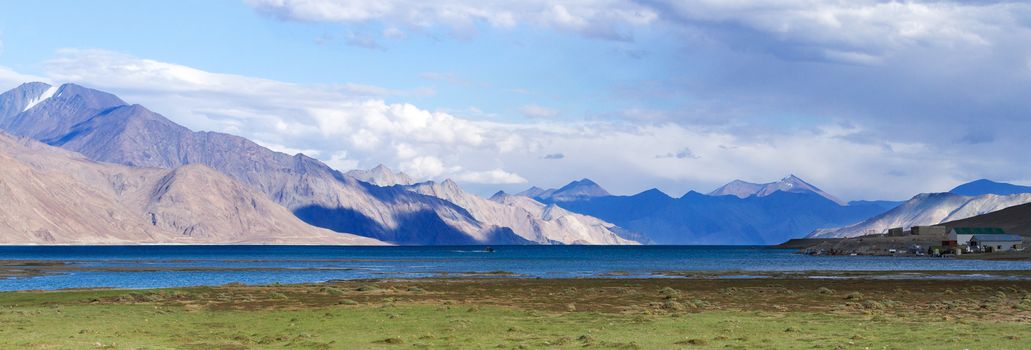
[[53, 196]]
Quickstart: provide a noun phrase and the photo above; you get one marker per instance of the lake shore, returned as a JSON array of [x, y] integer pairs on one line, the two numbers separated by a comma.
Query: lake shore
[[658, 313]]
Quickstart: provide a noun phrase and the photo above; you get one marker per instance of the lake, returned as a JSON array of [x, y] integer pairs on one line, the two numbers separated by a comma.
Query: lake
[[176, 266]]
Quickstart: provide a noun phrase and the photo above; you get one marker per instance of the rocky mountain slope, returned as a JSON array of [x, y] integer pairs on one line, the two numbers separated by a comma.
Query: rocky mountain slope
[[531, 220], [927, 209], [53, 196]]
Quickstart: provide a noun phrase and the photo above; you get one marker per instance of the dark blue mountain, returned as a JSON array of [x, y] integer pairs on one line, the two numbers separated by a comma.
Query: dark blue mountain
[[984, 186], [697, 218]]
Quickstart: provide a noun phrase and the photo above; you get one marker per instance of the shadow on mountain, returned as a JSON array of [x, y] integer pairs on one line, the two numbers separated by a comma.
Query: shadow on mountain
[[418, 228], [696, 218]]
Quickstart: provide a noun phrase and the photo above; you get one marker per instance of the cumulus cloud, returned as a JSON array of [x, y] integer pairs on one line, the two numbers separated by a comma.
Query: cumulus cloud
[[348, 130], [535, 111], [424, 167]]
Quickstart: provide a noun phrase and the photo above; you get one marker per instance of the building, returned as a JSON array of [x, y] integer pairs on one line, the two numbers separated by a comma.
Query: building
[[896, 232], [996, 242], [930, 230], [962, 235]]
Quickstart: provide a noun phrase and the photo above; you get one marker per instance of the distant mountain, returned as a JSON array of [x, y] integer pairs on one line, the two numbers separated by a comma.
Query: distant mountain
[[531, 220], [576, 190], [536, 192], [791, 183], [381, 176], [53, 196], [104, 128], [695, 218], [983, 186], [927, 209], [1015, 220]]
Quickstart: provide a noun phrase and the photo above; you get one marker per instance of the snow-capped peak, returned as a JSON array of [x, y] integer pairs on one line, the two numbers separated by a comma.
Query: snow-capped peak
[[790, 183], [48, 93]]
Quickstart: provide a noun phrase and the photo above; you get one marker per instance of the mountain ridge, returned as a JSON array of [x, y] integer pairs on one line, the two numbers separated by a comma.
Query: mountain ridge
[[697, 218], [790, 183], [54, 196], [985, 186]]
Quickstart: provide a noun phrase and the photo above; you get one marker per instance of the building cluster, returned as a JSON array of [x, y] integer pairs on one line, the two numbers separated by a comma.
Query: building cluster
[[919, 231], [981, 240], [960, 240]]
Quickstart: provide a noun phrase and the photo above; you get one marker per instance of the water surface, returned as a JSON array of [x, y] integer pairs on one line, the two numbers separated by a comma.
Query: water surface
[[174, 266]]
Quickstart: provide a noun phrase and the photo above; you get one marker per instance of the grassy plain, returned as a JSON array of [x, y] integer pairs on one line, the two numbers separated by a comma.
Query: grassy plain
[[512, 313]]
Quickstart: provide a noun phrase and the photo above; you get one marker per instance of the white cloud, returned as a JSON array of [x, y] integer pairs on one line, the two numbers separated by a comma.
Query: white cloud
[[426, 167], [496, 176], [535, 111], [350, 130], [10, 78], [849, 31], [340, 161]]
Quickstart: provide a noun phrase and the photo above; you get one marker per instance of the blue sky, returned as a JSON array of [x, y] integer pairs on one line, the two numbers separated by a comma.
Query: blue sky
[[866, 99]]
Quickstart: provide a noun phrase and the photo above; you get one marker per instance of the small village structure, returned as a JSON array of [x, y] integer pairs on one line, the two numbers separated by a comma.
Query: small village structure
[[929, 230], [982, 240], [919, 231]]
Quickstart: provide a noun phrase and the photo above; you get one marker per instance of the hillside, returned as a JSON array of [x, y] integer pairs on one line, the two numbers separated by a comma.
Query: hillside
[[52, 196]]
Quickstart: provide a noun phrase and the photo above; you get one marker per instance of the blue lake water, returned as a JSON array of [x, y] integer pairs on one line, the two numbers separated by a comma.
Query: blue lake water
[[301, 264]]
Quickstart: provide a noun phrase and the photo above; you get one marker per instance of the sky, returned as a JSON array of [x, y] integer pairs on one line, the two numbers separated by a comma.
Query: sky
[[865, 99]]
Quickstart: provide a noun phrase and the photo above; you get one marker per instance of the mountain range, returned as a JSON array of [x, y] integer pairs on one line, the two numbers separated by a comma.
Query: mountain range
[[737, 213], [104, 128], [146, 173]]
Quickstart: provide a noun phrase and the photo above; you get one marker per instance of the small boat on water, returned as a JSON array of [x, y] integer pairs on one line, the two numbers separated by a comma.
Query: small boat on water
[[488, 250]]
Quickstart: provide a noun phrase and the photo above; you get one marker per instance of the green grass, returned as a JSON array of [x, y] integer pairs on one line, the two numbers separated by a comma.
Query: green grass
[[427, 326], [557, 314]]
